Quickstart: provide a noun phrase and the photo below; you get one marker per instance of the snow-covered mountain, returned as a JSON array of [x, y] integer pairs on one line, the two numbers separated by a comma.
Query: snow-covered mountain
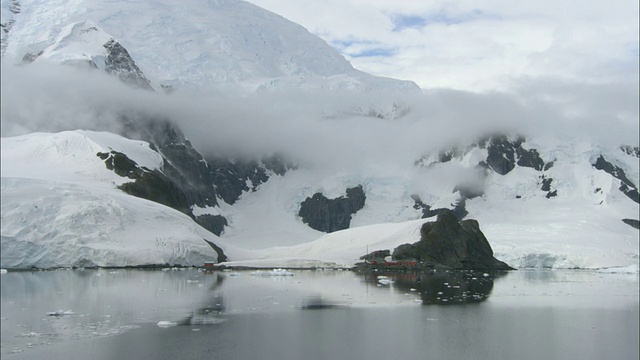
[[191, 43], [132, 189]]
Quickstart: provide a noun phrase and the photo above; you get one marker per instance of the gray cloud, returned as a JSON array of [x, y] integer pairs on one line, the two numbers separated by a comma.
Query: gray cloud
[[231, 122]]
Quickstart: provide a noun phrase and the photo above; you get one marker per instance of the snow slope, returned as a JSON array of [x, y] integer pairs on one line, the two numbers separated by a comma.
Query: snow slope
[[61, 208], [194, 42], [581, 227]]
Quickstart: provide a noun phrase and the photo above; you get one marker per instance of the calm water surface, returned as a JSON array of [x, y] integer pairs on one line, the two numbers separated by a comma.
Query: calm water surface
[[190, 314]]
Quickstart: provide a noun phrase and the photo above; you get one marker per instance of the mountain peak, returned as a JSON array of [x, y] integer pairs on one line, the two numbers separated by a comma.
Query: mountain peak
[[189, 43]]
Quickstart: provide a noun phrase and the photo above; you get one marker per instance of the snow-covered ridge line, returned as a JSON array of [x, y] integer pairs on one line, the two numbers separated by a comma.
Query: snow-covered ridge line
[[228, 41], [70, 197]]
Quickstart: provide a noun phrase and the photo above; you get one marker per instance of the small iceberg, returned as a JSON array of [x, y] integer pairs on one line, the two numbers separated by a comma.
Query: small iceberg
[[274, 272], [3, 271], [631, 269], [166, 324], [61, 313]]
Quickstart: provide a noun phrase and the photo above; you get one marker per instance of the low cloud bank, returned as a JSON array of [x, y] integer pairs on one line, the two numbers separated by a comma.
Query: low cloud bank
[[319, 127]]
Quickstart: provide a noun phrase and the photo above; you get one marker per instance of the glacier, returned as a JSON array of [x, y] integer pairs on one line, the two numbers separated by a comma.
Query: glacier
[[61, 208], [224, 41], [232, 75]]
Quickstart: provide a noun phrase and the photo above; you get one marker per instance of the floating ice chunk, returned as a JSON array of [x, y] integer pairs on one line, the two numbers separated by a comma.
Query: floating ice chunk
[[3, 271], [632, 269], [385, 281], [274, 272], [61, 313], [166, 324]]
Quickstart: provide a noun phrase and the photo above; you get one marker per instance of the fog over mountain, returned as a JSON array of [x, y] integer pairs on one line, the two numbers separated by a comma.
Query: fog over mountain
[[250, 114], [317, 125]]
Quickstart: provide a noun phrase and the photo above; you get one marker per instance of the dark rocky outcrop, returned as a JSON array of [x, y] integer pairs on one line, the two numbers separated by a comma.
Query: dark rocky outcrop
[[377, 255], [630, 192], [182, 163], [155, 185], [232, 178], [459, 208], [14, 8], [213, 223], [221, 256], [451, 244], [120, 63], [504, 154], [203, 180], [148, 184], [529, 158], [546, 184], [632, 222], [626, 186], [501, 156], [602, 164], [631, 150], [329, 215]]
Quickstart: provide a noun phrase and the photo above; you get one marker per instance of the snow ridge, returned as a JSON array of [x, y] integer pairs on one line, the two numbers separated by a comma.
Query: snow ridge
[[225, 41]]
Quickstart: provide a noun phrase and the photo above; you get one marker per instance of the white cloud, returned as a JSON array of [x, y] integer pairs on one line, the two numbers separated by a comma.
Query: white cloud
[[477, 46], [231, 122]]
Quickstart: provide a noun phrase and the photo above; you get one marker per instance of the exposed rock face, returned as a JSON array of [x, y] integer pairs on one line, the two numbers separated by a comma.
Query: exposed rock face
[[183, 164], [202, 180], [234, 178], [632, 222], [7, 23], [377, 255], [156, 186], [459, 209], [329, 215], [503, 155], [120, 63], [452, 244], [631, 150], [626, 185]]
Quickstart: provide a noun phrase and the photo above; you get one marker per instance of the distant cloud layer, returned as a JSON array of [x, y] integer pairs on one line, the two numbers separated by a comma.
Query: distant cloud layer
[[565, 68], [477, 46], [318, 127]]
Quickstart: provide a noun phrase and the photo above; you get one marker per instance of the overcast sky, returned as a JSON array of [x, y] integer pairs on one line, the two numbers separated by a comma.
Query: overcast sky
[[477, 45], [566, 68]]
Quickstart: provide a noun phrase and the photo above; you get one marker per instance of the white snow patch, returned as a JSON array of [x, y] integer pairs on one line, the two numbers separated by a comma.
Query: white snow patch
[[166, 324], [60, 208]]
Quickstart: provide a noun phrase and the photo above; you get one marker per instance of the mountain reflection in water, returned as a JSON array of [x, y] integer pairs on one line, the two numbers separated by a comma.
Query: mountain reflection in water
[[439, 287]]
